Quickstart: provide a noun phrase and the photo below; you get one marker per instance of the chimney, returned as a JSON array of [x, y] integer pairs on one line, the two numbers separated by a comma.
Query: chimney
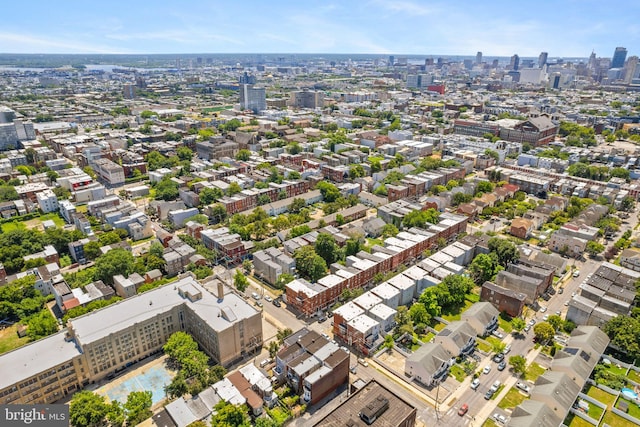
[[220, 290]]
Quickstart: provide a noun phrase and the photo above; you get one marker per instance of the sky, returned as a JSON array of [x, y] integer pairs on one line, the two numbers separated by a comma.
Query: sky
[[563, 28]]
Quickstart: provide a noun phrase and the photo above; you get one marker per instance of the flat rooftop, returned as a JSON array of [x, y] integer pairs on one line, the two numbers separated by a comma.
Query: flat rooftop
[[35, 358], [116, 317], [349, 410]]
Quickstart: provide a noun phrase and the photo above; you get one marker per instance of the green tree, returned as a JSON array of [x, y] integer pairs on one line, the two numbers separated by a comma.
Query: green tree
[[166, 189], [243, 155], [543, 332], [389, 230], [209, 195], [234, 188], [485, 187], [356, 171], [273, 348], [283, 279], [518, 324], [506, 251], [184, 153], [419, 313], [329, 191], [227, 415], [297, 205], [594, 248], [218, 213], [240, 281], [555, 321], [327, 248], [627, 204], [388, 342], [518, 364], [498, 346], [309, 263], [138, 407], [41, 325], [420, 218], [624, 332], [87, 409], [116, 261], [484, 267], [282, 334]]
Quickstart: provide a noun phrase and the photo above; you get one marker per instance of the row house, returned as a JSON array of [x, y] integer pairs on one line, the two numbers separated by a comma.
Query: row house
[[405, 247], [229, 245]]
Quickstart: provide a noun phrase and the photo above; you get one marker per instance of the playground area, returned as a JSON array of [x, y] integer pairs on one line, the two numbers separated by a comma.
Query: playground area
[[152, 376]]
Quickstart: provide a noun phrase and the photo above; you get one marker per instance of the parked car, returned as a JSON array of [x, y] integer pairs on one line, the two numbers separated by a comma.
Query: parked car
[[526, 328], [576, 273], [532, 322], [255, 296], [495, 386], [500, 418], [507, 349], [258, 303], [497, 334], [502, 365], [265, 362], [276, 303], [522, 386], [543, 309], [363, 363], [463, 410], [561, 290], [499, 357], [546, 317], [489, 394], [475, 384], [486, 369], [268, 298], [322, 318]]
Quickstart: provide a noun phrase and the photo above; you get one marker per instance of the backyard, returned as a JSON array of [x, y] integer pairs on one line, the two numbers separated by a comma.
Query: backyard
[[614, 420], [533, 372], [634, 409], [575, 421], [512, 399], [601, 395]]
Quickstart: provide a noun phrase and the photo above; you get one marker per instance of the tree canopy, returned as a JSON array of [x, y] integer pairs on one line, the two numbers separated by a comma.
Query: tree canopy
[[420, 218]]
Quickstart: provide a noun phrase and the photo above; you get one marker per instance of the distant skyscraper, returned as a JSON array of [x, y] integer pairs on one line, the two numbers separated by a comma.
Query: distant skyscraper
[[542, 59], [619, 56], [129, 91], [479, 58], [253, 98], [247, 79], [630, 69], [515, 62], [592, 61], [392, 59]]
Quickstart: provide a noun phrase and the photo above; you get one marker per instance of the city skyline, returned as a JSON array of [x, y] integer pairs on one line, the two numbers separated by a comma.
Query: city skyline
[[564, 29]]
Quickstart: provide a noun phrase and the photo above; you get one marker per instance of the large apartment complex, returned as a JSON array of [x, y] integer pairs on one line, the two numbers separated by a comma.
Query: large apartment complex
[[106, 341]]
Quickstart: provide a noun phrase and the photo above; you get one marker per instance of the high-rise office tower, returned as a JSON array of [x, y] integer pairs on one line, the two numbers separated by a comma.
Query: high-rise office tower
[[392, 59], [515, 62], [479, 58], [630, 69], [542, 59], [253, 98], [592, 61], [619, 56]]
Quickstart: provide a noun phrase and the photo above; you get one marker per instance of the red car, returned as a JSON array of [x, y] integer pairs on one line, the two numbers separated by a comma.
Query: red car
[[463, 410]]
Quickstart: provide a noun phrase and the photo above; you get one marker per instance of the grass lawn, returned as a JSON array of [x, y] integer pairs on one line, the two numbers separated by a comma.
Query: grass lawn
[[439, 326], [9, 339], [489, 423], [595, 412], [458, 373], [483, 346], [456, 314], [426, 338], [497, 392], [415, 347], [493, 340], [533, 372], [634, 409], [618, 371], [601, 396], [53, 217], [14, 225], [473, 297], [634, 376], [574, 421], [614, 420], [512, 399], [505, 325]]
